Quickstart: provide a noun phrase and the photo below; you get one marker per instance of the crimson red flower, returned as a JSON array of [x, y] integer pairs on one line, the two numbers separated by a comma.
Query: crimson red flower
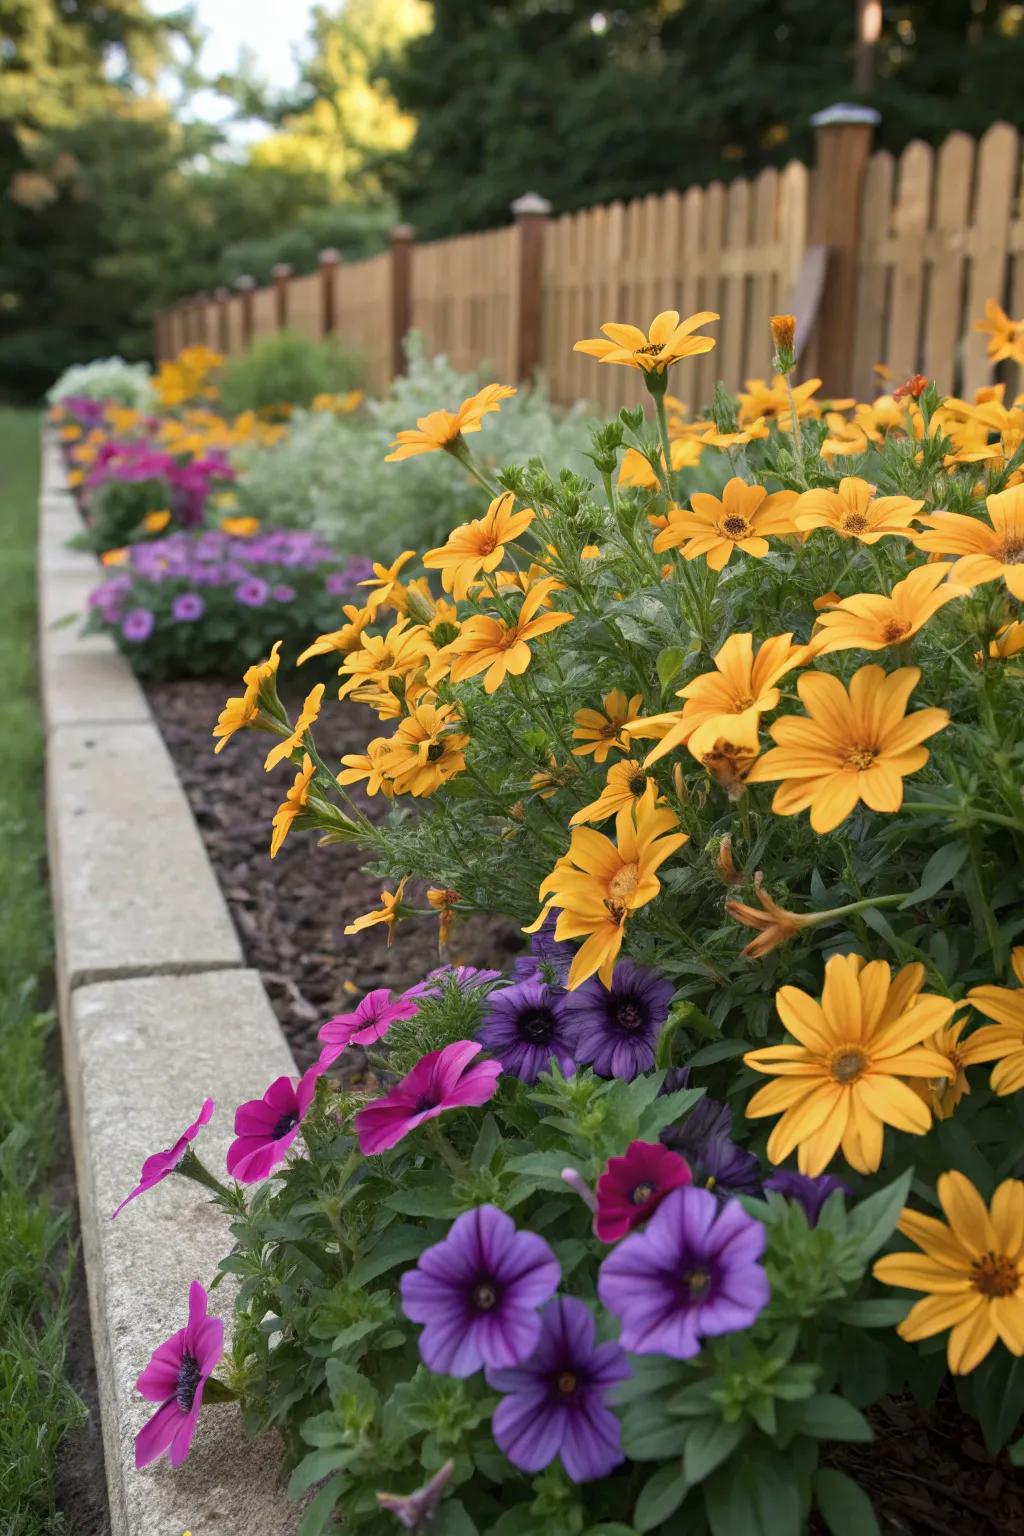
[[632, 1187]]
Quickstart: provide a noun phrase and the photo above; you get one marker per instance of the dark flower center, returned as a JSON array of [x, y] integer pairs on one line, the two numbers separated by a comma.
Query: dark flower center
[[630, 1016], [484, 1296], [855, 522], [286, 1123], [995, 1275], [566, 1383], [423, 1103], [188, 1381], [536, 1025], [697, 1283], [434, 751], [650, 350], [736, 527], [637, 784], [641, 1194]]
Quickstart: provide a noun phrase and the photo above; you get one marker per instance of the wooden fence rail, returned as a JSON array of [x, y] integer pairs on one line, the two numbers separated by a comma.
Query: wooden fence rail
[[885, 259]]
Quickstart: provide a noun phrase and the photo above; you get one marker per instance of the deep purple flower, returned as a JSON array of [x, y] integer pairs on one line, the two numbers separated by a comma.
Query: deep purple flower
[[555, 1403], [370, 1021], [138, 624], [265, 1128], [810, 1192], [159, 1164], [253, 592], [717, 1163], [550, 958], [617, 1029], [282, 593], [478, 1293], [187, 606], [693, 1272], [175, 1377], [527, 1026]]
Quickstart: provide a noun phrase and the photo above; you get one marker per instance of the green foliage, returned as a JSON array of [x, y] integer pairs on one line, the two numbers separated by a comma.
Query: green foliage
[[287, 368], [108, 378]]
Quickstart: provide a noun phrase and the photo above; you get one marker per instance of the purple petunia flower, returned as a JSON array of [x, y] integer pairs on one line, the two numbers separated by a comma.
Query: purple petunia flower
[[693, 1272], [187, 606], [265, 1128], [550, 958], [253, 592], [159, 1164], [282, 593], [810, 1192], [370, 1021], [704, 1140], [175, 1377], [527, 1026], [617, 1028], [555, 1403], [138, 624], [478, 1293]]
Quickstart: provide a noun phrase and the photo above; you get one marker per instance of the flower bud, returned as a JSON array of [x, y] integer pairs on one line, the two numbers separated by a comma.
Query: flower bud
[[784, 341]]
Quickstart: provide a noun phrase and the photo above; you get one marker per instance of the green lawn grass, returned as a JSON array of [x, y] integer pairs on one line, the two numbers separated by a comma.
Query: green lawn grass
[[37, 1406]]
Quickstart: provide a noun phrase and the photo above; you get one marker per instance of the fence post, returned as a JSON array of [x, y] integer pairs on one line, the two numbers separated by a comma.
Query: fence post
[[329, 260], [201, 302], [221, 297], [402, 238], [281, 274], [245, 286], [844, 135], [532, 213]]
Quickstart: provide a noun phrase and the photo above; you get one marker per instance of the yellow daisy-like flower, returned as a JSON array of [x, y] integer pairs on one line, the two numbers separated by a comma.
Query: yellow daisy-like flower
[[855, 512], [869, 621], [1005, 336], [1003, 1041], [342, 640], [943, 1094], [240, 712], [114, 557], [667, 340], [770, 402], [240, 527], [479, 545], [1008, 642], [443, 429], [598, 885], [389, 913], [599, 731], [636, 469], [425, 751], [755, 431], [626, 785], [850, 747], [743, 519], [987, 551], [842, 1081], [971, 1267], [156, 522], [498, 649], [292, 806], [384, 582], [307, 716], [400, 653], [369, 768]]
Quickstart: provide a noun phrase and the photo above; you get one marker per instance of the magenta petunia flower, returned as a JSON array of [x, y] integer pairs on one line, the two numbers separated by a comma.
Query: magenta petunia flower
[[478, 1293], [555, 1403], [265, 1128], [439, 1081], [693, 1272], [633, 1186], [159, 1164], [370, 1021], [174, 1378]]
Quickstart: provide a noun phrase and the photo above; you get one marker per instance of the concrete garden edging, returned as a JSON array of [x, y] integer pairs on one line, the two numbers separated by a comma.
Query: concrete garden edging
[[157, 1011]]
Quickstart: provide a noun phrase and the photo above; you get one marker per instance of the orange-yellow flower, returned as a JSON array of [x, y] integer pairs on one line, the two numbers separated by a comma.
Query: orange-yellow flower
[[1004, 1040], [444, 901], [380, 658], [850, 747], [479, 545], [240, 527], [841, 1082], [292, 806], [389, 912], [972, 1271], [307, 717], [1008, 642], [240, 712], [869, 621], [855, 512], [598, 885], [626, 785], [156, 522], [490, 645], [384, 582], [987, 551], [369, 767], [1005, 336], [342, 640], [636, 468], [114, 557], [599, 731], [771, 401], [666, 342], [742, 520], [943, 1094], [425, 751], [443, 429]]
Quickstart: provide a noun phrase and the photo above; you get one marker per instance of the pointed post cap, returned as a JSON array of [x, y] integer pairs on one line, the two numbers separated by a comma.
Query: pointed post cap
[[844, 112], [531, 204]]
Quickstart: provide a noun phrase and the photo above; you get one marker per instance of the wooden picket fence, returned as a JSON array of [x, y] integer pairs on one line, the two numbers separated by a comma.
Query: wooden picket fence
[[885, 259]]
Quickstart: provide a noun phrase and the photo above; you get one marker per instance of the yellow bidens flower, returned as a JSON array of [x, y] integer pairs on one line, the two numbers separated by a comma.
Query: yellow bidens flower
[[240, 712], [307, 716], [971, 1269], [490, 645], [443, 429], [478, 546], [851, 747], [855, 512], [1003, 1041], [389, 912], [668, 340], [368, 766], [987, 551], [598, 885], [1005, 336], [841, 1082], [292, 806], [742, 520], [599, 731], [626, 785], [869, 622], [382, 659]]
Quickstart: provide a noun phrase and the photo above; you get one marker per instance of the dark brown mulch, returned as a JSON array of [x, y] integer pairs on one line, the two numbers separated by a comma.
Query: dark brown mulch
[[290, 914]]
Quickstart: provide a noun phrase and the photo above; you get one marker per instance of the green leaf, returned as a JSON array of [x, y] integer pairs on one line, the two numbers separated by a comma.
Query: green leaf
[[487, 1143], [731, 1506], [317, 1465], [453, 1519], [827, 1417], [873, 1312], [660, 1497], [943, 866], [670, 663], [874, 1220], [546, 1166], [315, 1519], [399, 1245], [718, 1050], [1016, 1453], [423, 1203], [843, 1505], [995, 1393], [708, 1443]]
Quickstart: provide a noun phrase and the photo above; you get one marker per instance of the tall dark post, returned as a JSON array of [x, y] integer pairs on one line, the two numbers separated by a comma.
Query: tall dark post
[[532, 214], [246, 286], [329, 261], [402, 238], [281, 274], [844, 139]]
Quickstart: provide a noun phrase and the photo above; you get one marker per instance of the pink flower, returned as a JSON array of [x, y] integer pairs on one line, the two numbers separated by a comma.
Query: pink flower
[[174, 1378], [159, 1164], [372, 1019], [440, 1080], [265, 1128], [632, 1187]]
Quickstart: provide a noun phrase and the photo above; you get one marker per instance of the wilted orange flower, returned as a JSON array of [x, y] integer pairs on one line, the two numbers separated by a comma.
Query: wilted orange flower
[[869, 622], [725, 864], [856, 512], [776, 925], [342, 640], [1003, 1041], [912, 388], [783, 329], [850, 747], [292, 806], [742, 520], [307, 716], [599, 731], [443, 429], [987, 551], [444, 901], [389, 912], [1005, 336], [626, 785], [667, 341], [490, 645], [479, 545], [729, 764]]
